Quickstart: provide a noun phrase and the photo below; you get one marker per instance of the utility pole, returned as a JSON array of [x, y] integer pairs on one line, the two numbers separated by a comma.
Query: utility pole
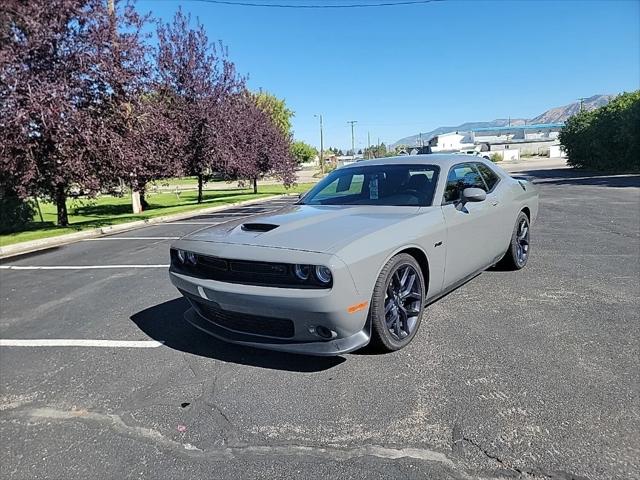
[[353, 141], [321, 145], [368, 145], [582, 99]]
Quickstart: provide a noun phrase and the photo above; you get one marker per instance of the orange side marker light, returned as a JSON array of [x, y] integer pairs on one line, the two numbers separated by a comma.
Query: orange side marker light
[[357, 307]]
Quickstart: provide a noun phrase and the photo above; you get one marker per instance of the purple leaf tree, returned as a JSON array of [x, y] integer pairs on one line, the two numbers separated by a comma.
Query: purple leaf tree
[[196, 77], [260, 148], [64, 71]]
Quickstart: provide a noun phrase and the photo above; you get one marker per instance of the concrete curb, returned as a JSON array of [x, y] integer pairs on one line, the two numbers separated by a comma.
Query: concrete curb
[[35, 245]]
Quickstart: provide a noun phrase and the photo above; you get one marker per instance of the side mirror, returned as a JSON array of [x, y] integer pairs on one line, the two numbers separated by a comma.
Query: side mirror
[[473, 195]]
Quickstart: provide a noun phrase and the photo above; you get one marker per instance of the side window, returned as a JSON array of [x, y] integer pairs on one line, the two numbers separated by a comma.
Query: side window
[[460, 177], [490, 177]]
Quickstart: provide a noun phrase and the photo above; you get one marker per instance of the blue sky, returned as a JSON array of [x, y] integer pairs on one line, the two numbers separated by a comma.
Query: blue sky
[[408, 69]]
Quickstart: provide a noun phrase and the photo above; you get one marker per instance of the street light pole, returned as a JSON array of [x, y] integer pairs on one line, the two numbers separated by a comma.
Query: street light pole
[[321, 145]]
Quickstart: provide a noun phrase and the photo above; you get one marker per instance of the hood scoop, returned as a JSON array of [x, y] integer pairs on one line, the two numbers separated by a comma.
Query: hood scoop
[[258, 227]]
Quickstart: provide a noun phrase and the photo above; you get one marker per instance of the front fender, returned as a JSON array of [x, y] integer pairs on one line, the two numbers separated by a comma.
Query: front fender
[[426, 232]]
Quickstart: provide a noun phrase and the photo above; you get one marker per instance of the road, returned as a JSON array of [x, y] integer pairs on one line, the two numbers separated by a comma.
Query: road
[[527, 374]]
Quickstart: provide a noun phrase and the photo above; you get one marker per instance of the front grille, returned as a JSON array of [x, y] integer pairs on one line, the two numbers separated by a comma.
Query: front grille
[[272, 274], [244, 322]]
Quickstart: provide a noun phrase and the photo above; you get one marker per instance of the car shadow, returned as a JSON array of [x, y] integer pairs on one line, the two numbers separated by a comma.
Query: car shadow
[[165, 323]]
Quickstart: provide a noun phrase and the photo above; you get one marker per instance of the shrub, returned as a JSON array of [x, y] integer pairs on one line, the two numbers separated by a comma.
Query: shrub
[[328, 168], [607, 138], [15, 213], [496, 157]]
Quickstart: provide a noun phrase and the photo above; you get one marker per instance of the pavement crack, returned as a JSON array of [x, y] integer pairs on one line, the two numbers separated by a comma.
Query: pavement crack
[[230, 432], [112, 421], [159, 440], [520, 471], [188, 364], [489, 455]]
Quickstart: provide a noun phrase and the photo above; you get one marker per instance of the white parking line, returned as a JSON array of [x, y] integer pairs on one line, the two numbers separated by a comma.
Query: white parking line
[[128, 238], [61, 342], [74, 267]]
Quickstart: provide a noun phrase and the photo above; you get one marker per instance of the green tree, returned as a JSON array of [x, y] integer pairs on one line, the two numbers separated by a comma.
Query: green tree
[[303, 152], [607, 138], [276, 109], [375, 151]]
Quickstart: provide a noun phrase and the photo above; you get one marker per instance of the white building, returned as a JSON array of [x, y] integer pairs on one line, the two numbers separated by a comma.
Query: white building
[[519, 133], [557, 151], [451, 142]]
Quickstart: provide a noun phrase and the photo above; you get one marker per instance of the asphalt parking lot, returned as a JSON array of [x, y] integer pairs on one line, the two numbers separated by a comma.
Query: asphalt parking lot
[[534, 373]]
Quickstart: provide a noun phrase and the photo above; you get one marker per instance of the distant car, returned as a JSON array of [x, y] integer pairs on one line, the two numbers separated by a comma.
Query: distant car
[[358, 257], [484, 155]]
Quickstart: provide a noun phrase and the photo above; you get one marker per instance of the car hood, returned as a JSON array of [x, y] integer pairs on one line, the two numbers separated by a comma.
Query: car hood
[[311, 228]]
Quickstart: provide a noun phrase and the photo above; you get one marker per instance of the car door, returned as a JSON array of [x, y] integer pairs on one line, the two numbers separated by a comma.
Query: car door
[[495, 196], [471, 239]]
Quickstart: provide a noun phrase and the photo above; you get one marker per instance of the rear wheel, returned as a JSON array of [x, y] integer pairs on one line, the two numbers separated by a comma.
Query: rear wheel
[[397, 303], [518, 253]]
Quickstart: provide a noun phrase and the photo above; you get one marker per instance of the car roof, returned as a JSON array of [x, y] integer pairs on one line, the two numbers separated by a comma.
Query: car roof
[[443, 160]]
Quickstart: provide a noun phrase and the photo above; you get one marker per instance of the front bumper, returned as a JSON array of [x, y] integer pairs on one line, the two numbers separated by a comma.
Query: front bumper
[[305, 309], [333, 347]]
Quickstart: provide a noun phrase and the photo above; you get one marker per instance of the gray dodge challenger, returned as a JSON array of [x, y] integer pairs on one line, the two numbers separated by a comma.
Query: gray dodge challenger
[[358, 257]]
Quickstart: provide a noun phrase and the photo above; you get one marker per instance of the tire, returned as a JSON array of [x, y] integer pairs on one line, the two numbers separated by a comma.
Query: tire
[[403, 301], [517, 255]]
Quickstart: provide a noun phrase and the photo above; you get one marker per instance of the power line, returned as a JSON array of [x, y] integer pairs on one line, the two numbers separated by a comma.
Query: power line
[[387, 3]]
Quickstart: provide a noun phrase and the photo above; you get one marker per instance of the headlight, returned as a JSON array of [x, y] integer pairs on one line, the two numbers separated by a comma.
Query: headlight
[[191, 258], [302, 271], [185, 257], [323, 274]]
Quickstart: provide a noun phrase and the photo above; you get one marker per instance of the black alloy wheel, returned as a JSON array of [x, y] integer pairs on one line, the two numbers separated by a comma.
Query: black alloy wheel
[[397, 303], [517, 254]]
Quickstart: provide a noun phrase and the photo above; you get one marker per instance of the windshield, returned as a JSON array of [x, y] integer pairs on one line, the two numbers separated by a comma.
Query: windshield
[[398, 185]]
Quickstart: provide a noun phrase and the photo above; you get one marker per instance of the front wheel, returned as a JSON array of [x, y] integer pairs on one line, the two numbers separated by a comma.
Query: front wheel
[[518, 253], [397, 303]]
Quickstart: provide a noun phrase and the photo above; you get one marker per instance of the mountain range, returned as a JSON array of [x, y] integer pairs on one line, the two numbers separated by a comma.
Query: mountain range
[[553, 115]]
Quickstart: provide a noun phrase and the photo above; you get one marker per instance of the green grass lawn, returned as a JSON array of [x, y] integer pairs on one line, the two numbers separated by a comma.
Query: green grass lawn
[[192, 181], [108, 210]]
